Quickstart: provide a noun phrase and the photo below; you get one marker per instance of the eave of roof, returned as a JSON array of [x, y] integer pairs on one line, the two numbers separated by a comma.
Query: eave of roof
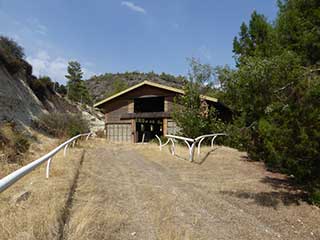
[[153, 84]]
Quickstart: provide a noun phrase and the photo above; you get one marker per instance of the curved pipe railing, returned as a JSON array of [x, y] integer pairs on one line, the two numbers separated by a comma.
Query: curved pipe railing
[[16, 175], [213, 135], [166, 143], [191, 143]]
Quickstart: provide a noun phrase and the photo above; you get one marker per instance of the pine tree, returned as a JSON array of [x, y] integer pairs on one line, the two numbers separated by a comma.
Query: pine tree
[[77, 91]]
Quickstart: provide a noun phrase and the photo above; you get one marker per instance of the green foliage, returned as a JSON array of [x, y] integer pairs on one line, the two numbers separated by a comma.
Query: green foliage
[[42, 86], [75, 73], [77, 90], [315, 197], [298, 26], [62, 124], [61, 89], [11, 54], [276, 90], [259, 39], [119, 85], [192, 114]]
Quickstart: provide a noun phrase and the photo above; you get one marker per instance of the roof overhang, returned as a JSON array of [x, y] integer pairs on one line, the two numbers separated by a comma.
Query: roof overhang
[[152, 84]]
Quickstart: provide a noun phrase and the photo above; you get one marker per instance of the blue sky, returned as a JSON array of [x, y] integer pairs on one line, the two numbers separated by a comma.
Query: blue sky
[[118, 36]]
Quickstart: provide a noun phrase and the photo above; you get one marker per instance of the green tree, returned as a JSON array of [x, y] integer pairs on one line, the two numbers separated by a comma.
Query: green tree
[[60, 88], [191, 113], [257, 39], [298, 27], [119, 85], [77, 90], [276, 90]]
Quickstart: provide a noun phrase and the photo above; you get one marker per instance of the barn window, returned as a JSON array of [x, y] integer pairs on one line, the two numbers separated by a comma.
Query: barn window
[[149, 104]]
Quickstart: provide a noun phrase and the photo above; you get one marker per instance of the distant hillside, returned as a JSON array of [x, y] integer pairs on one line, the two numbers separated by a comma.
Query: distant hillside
[[107, 84]]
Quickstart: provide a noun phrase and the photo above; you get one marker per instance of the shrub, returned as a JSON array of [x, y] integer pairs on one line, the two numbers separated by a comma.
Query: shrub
[[62, 124], [41, 86], [11, 54], [21, 143], [13, 143], [315, 197]]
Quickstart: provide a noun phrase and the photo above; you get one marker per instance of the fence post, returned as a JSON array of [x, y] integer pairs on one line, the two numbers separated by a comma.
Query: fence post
[[213, 140], [88, 136], [65, 150], [199, 145], [192, 151], [172, 147], [48, 168]]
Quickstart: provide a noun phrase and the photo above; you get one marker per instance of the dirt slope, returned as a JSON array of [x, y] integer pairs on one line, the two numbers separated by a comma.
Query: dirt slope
[[138, 192]]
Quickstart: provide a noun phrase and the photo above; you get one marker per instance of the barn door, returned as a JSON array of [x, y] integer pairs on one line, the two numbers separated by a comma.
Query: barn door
[[119, 132]]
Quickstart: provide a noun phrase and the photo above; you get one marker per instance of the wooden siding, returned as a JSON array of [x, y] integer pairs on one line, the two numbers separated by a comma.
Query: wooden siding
[[124, 104], [115, 109]]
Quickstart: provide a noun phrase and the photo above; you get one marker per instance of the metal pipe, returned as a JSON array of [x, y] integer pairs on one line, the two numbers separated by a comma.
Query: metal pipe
[[213, 140], [65, 150], [48, 168], [199, 145], [18, 174]]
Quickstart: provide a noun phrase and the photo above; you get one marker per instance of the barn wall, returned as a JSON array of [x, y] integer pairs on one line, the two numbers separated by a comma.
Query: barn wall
[[124, 129], [115, 109], [124, 104]]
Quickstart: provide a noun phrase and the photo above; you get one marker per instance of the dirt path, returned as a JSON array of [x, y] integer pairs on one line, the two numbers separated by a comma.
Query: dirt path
[[138, 192]]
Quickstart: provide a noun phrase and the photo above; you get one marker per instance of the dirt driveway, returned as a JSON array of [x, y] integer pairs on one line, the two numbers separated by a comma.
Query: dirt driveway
[[138, 192]]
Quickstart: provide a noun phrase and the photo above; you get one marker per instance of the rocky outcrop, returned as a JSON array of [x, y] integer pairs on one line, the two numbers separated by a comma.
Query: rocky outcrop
[[17, 101], [95, 119]]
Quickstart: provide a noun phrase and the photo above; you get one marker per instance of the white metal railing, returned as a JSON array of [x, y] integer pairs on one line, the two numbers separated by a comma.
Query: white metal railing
[[16, 175], [190, 142]]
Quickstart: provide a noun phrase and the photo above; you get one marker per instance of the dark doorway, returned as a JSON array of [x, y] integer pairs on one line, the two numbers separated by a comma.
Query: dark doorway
[[148, 128], [149, 104]]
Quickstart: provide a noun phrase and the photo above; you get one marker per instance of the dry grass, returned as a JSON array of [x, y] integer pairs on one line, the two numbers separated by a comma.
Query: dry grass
[[39, 215], [138, 192]]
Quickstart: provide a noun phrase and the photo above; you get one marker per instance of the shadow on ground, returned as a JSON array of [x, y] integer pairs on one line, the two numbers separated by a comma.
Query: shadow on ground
[[202, 160], [196, 161], [284, 193]]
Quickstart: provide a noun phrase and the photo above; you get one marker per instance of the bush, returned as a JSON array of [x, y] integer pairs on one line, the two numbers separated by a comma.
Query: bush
[[62, 124], [41, 86], [12, 142], [11, 55], [315, 197], [21, 143]]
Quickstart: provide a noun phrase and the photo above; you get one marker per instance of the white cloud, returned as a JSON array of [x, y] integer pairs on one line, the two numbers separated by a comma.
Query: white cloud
[[55, 68], [37, 27], [133, 7]]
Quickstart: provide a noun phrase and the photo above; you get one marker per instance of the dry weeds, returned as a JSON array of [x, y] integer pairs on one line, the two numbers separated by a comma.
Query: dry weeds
[[138, 192], [38, 215]]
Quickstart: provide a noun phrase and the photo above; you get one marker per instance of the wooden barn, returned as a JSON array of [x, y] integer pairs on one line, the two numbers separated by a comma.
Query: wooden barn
[[144, 110]]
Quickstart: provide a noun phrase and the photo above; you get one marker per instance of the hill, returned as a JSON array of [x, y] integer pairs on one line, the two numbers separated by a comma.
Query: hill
[[107, 84]]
